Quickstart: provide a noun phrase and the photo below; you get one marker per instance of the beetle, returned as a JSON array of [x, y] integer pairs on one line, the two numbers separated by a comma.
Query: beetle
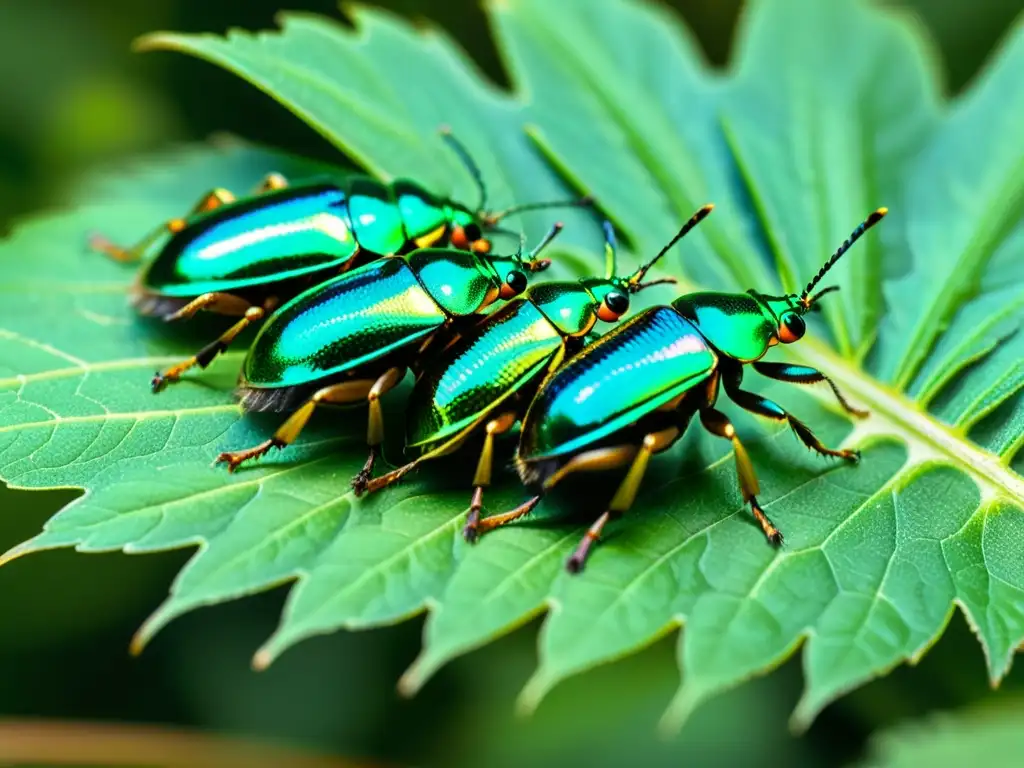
[[484, 380], [241, 258], [353, 337], [633, 392]]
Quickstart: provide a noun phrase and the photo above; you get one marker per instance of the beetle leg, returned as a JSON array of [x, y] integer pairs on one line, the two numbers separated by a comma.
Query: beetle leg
[[339, 394], [717, 423], [494, 521], [392, 477], [762, 406], [207, 354], [212, 199], [802, 374], [496, 426], [270, 182], [624, 496], [375, 427], [219, 303]]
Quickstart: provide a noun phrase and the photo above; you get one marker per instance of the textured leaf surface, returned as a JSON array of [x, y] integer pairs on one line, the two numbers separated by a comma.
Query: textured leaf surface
[[828, 111]]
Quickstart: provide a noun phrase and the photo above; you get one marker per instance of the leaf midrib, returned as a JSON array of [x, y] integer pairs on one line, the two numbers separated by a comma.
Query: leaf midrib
[[988, 470]]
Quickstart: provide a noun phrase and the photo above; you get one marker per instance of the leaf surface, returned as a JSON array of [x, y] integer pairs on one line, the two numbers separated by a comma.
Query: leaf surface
[[828, 111]]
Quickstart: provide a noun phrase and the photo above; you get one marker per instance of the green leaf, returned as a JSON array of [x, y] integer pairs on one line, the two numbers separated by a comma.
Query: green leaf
[[828, 111], [954, 739]]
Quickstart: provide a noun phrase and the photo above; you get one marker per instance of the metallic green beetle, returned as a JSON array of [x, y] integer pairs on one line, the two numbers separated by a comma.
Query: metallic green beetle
[[352, 338], [634, 391], [486, 378], [241, 258]]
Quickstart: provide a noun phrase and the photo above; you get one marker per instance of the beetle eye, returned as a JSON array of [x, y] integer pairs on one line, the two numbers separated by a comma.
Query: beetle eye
[[791, 328], [614, 306], [617, 302], [516, 282], [458, 238], [472, 232]]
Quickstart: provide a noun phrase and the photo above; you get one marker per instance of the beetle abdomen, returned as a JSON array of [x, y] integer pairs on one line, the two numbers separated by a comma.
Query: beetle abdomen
[[341, 324], [276, 236], [488, 364], [629, 372]]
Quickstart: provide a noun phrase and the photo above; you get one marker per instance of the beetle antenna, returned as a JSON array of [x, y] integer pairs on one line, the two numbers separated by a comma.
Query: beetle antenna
[[583, 202], [610, 246], [467, 160], [659, 281], [813, 300], [636, 279], [533, 264], [863, 227]]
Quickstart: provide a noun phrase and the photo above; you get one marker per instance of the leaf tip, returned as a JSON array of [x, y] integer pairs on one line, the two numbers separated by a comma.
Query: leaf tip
[[678, 712], [15, 552], [153, 41], [532, 695], [262, 659], [409, 683], [139, 641]]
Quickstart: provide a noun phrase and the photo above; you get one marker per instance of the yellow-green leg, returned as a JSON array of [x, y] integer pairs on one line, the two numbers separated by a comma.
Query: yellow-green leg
[[375, 427], [288, 433], [227, 304], [208, 202], [487, 524], [625, 495], [496, 426], [207, 354], [212, 199], [221, 304], [717, 423]]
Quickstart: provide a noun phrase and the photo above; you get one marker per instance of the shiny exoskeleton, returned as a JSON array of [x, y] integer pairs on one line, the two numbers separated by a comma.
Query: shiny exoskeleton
[[633, 392], [485, 379], [352, 338], [244, 257]]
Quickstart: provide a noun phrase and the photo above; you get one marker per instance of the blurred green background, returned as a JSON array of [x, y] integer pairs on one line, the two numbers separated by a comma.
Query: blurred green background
[[73, 96]]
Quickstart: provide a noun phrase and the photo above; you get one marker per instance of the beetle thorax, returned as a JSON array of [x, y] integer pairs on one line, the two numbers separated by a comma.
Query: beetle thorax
[[568, 305], [739, 325], [461, 282]]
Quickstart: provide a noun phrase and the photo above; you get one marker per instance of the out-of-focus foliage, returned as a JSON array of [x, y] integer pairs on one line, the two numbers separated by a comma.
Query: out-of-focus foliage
[[940, 512], [992, 735], [62, 644]]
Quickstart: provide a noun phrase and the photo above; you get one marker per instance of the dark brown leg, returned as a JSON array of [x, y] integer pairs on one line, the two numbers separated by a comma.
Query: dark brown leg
[[802, 374], [762, 406]]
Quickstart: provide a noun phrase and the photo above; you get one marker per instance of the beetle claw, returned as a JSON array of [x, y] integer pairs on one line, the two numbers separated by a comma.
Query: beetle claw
[[360, 482]]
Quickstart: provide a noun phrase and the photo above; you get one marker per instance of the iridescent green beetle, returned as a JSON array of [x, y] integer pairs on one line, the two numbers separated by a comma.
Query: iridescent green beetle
[[242, 258], [352, 338], [485, 380], [633, 392]]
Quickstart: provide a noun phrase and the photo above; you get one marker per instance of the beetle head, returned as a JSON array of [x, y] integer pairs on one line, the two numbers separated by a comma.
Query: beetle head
[[788, 311]]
